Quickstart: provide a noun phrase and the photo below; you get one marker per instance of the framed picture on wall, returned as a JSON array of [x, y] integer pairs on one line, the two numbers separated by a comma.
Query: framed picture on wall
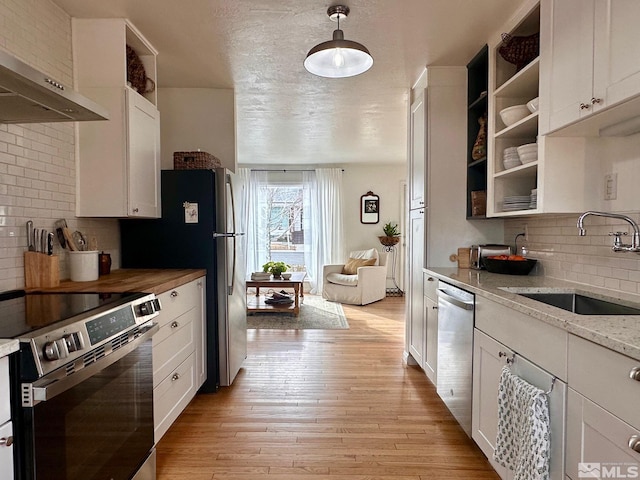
[[369, 208]]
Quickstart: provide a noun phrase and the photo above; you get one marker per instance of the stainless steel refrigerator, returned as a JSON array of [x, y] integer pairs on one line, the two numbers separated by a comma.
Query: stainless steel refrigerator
[[201, 227]]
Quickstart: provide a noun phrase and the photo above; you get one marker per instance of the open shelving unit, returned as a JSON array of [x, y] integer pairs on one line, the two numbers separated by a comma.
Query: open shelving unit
[[511, 88], [477, 98]]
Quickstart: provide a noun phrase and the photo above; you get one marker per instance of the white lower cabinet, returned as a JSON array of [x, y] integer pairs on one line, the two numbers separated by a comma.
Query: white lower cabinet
[[6, 451], [415, 308], [431, 328], [603, 420], [431, 342], [598, 442], [489, 358], [6, 429], [178, 353]]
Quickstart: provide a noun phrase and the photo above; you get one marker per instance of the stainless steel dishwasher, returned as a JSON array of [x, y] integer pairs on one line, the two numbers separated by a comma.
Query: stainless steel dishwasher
[[455, 351]]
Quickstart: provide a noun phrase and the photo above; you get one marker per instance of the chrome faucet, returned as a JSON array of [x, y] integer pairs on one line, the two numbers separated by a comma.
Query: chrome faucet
[[618, 246]]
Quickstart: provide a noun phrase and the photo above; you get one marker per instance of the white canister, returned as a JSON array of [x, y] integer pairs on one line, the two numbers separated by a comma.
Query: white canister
[[83, 266]]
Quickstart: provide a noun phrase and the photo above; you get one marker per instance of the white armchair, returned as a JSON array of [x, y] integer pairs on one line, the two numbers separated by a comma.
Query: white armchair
[[366, 285]]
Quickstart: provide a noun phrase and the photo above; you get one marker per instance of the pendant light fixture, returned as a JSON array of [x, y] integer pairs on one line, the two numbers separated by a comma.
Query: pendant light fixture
[[338, 58]]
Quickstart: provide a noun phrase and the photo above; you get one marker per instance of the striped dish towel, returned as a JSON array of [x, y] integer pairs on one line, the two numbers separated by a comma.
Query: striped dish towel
[[523, 440]]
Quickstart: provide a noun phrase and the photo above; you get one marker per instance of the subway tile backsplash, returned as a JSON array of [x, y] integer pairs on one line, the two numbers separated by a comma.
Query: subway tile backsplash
[[561, 253], [37, 161]]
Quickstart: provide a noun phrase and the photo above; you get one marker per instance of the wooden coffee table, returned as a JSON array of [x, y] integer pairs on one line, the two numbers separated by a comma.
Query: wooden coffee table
[[295, 282]]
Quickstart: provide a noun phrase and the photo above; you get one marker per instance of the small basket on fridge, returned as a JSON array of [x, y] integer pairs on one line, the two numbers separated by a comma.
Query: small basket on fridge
[[195, 161]]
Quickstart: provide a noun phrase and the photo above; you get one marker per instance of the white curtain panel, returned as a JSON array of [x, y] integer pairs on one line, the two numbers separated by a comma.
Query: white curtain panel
[[325, 244], [257, 236]]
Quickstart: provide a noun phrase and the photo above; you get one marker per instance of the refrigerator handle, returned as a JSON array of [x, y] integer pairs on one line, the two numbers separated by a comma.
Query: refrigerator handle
[[233, 219]]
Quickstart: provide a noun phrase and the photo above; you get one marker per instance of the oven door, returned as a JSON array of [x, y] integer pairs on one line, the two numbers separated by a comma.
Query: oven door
[[95, 426]]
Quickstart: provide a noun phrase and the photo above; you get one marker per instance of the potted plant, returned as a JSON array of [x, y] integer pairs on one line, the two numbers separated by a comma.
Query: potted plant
[[275, 268], [391, 234]]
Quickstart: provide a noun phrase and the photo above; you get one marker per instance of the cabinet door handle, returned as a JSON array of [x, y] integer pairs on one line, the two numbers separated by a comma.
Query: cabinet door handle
[[435, 307], [634, 443], [6, 441], [174, 294], [176, 376], [634, 374], [595, 101], [175, 325], [135, 210], [509, 358], [584, 106]]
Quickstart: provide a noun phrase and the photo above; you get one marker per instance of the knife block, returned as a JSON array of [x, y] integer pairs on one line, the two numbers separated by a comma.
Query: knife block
[[41, 270]]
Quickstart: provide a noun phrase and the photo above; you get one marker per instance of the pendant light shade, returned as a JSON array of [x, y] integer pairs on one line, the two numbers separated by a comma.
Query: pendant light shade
[[338, 58]]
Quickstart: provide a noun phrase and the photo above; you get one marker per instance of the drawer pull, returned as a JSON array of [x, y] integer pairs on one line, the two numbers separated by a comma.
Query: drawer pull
[[634, 374], [634, 443], [173, 294], [175, 325], [176, 376], [6, 441]]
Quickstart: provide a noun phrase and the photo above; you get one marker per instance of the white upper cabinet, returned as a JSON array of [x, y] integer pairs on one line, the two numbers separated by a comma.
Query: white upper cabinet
[[592, 64], [119, 160], [571, 61], [417, 151]]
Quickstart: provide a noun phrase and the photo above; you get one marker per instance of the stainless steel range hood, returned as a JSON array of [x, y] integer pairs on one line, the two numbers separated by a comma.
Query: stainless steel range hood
[[30, 96]]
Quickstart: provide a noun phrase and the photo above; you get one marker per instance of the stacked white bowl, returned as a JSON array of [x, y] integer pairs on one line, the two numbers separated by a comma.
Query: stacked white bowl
[[528, 153], [511, 115], [510, 158]]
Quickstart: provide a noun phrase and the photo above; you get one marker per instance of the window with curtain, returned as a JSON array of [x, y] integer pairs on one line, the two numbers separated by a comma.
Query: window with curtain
[[294, 217]]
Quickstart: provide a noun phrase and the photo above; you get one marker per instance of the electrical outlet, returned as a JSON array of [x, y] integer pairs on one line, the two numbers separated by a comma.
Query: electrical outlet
[[611, 186]]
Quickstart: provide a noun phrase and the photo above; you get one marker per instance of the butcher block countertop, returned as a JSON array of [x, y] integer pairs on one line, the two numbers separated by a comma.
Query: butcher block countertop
[[132, 280]]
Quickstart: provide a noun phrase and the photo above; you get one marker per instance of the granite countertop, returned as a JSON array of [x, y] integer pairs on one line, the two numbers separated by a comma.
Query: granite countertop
[[8, 346], [616, 332]]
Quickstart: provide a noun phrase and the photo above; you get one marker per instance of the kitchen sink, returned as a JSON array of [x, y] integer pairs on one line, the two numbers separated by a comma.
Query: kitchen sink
[[581, 304]]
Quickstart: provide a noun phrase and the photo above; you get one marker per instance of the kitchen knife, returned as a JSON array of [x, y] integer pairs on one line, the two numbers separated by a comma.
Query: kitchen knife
[[44, 235], [50, 243], [30, 245], [36, 239]]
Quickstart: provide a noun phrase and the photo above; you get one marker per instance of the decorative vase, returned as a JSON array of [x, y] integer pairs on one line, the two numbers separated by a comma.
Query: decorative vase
[[388, 241], [277, 277]]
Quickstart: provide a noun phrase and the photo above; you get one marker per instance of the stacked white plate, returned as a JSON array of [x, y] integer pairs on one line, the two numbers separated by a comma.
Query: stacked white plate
[[516, 202], [510, 158], [528, 153], [533, 203]]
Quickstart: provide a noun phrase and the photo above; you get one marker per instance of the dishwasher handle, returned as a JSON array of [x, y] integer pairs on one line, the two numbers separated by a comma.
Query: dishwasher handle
[[467, 305]]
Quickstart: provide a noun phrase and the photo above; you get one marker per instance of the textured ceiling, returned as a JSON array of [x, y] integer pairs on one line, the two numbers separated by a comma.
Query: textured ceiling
[[284, 114]]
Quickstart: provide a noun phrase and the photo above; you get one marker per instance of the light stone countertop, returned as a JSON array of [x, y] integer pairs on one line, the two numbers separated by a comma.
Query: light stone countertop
[[616, 332], [8, 346]]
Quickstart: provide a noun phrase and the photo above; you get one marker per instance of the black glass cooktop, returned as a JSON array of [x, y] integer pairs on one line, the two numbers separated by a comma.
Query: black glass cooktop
[[22, 313]]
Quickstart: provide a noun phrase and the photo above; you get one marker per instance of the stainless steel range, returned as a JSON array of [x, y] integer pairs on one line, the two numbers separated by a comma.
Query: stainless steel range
[[82, 384]]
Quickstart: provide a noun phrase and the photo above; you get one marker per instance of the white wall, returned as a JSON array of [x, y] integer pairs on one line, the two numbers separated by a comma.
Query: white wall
[[447, 227], [386, 181], [554, 241], [37, 161], [197, 118]]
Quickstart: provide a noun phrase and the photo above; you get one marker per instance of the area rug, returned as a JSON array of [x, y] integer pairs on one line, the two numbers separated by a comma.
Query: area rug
[[315, 313]]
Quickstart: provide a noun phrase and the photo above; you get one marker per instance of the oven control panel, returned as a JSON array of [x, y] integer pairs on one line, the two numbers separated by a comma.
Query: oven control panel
[[75, 338]]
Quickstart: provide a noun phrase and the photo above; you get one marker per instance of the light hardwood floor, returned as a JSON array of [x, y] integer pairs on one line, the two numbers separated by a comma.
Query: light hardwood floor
[[323, 405]]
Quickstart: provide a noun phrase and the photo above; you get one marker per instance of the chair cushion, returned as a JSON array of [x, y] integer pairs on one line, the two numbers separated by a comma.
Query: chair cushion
[[351, 267], [342, 279]]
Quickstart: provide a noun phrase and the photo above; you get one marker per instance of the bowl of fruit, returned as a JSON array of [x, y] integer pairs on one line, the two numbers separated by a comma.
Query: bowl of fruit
[[509, 264]]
